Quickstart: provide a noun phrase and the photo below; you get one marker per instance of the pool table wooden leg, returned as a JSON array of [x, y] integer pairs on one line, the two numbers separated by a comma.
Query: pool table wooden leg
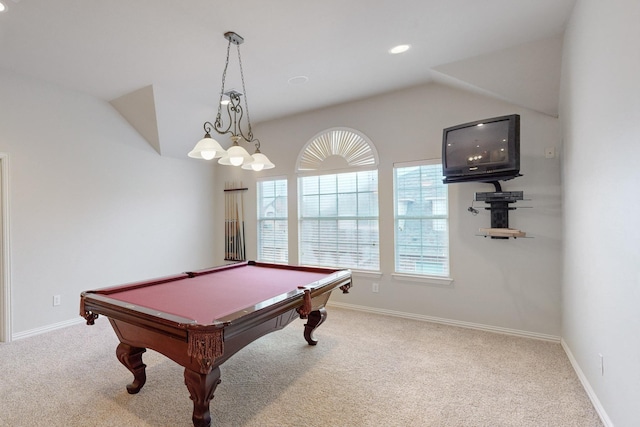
[[201, 388], [314, 320], [131, 358]]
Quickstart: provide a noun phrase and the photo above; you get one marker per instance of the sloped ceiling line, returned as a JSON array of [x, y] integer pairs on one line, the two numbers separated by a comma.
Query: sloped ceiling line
[[527, 75]]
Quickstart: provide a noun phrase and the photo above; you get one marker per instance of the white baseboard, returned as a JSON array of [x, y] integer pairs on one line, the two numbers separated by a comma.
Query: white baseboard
[[450, 322], [47, 328], [587, 386]]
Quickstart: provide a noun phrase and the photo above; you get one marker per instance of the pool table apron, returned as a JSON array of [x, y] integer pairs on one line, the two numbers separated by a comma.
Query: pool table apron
[[175, 343]]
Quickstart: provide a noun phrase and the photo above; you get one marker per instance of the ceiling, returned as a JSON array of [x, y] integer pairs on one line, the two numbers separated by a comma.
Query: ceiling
[[159, 62]]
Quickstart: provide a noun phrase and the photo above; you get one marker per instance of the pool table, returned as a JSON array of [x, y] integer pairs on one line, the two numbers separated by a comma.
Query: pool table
[[200, 319]]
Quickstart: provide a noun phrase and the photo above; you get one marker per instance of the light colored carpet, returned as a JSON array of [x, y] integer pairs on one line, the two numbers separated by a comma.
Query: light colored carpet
[[367, 370]]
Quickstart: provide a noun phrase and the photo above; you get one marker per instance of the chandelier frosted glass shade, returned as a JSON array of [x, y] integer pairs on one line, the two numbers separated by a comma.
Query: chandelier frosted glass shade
[[258, 163], [207, 148], [235, 156]]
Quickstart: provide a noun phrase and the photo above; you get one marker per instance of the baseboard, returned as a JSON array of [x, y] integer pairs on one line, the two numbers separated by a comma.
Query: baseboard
[[587, 386], [47, 328], [469, 325]]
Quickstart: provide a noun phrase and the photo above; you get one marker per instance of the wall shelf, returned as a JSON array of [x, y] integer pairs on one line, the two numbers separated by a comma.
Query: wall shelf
[[500, 203], [502, 232]]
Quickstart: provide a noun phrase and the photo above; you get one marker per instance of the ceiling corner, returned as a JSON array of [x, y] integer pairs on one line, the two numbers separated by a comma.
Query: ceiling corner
[[527, 75], [139, 109]]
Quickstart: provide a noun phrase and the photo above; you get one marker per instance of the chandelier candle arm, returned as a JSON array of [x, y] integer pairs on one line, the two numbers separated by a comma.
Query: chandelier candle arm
[[208, 148]]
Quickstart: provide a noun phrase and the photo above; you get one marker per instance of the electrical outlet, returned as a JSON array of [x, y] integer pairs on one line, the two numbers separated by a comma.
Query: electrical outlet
[[56, 300], [375, 287]]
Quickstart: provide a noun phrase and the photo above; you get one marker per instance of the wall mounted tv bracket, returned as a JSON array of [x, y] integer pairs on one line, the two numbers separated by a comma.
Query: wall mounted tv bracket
[[499, 204]]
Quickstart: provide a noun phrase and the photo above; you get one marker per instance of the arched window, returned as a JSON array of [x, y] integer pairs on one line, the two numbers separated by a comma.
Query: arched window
[[337, 148], [338, 201]]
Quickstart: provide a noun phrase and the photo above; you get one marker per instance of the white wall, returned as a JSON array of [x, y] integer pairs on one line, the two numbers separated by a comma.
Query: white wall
[[600, 112], [91, 203], [512, 284]]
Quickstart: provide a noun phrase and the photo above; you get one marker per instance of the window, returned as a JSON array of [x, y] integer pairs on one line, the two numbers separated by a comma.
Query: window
[[272, 221], [421, 220], [338, 207], [339, 220]]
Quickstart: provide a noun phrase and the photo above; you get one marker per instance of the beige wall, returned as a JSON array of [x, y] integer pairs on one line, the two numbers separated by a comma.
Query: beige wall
[[512, 284], [91, 203], [601, 120]]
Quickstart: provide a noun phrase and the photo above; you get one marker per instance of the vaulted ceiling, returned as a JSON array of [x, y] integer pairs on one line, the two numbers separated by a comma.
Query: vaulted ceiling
[[159, 62]]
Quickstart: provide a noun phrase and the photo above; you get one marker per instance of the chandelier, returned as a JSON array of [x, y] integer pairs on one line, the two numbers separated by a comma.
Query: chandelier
[[208, 148]]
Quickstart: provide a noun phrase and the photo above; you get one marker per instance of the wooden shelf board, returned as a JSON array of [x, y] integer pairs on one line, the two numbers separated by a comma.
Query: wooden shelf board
[[502, 232]]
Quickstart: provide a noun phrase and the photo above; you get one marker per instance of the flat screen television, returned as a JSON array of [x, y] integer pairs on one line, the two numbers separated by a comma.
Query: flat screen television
[[482, 151]]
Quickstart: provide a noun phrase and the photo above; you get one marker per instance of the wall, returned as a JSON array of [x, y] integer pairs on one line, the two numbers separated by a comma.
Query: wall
[[600, 112], [91, 203], [512, 284]]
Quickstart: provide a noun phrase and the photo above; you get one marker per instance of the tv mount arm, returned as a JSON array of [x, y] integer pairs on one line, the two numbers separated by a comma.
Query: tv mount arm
[[499, 205], [497, 185]]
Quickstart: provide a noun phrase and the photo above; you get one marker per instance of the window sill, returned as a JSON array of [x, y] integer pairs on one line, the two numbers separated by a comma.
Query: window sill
[[367, 273], [427, 280]]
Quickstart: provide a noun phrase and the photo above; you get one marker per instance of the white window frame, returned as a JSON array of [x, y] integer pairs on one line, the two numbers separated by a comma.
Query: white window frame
[[400, 217], [283, 221], [344, 260]]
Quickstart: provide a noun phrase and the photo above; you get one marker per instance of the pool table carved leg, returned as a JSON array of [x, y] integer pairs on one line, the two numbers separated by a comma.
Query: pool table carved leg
[[314, 320], [131, 358], [201, 388]]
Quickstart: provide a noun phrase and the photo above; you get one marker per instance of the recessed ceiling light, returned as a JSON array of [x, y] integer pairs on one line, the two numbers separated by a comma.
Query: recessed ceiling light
[[399, 49], [2, 7], [298, 80]]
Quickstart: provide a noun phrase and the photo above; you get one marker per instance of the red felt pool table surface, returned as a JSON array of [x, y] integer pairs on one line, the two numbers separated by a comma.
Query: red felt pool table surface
[[210, 297]]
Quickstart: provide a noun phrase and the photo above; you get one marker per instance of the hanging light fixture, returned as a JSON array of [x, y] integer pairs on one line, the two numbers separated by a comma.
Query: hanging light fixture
[[208, 148]]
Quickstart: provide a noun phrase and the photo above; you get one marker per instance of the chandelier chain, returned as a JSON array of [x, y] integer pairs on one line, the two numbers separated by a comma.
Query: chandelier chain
[[246, 101], [224, 78]]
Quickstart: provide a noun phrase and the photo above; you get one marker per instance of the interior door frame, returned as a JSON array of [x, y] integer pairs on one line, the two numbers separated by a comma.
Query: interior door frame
[[5, 252]]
